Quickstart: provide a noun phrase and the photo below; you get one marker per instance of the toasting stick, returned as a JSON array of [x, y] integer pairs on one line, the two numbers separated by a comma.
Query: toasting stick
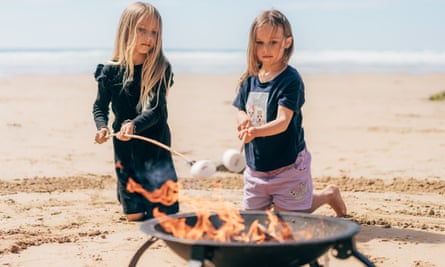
[[146, 139], [199, 169]]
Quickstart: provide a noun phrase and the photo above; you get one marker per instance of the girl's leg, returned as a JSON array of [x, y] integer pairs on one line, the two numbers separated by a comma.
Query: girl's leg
[[331, 196], [135, 217]]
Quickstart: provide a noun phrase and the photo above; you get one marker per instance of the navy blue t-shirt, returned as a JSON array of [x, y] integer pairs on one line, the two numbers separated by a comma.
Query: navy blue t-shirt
[[260, 101]]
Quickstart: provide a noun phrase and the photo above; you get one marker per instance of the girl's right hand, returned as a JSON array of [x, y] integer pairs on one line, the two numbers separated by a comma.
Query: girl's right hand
[[247, 135], [102, 135]]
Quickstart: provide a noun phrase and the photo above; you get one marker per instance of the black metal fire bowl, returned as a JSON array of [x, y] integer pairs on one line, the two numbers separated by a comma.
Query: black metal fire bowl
[[329, 232]]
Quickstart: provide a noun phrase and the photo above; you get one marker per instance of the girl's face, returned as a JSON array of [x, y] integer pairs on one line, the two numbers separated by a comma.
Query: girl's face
[[270, 44], [146, 37]]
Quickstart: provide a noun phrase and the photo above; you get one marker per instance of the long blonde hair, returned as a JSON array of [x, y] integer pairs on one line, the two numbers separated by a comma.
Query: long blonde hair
[[276, 19], [155, 64]]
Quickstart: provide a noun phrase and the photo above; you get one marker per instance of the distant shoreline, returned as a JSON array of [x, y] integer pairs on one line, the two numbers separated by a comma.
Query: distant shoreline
[[15, 61]]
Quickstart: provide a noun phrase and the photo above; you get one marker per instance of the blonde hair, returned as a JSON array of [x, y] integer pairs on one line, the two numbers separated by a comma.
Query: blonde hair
[[276, 19], [155, 64]]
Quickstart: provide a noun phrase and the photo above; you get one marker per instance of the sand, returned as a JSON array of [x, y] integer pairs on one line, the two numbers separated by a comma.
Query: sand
[[377, 136]]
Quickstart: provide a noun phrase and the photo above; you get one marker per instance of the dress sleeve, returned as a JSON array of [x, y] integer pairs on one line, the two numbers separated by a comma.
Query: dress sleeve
[[156, 110], [101, 105]]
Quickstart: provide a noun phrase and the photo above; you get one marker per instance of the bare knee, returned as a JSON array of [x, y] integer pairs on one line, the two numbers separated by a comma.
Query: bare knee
[[332, 190]]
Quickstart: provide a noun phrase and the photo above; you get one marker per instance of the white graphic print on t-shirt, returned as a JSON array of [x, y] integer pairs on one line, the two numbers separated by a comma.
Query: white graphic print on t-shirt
[[256, 108]]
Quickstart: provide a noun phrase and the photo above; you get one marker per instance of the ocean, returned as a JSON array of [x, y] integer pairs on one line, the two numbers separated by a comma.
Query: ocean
[[74, 61]]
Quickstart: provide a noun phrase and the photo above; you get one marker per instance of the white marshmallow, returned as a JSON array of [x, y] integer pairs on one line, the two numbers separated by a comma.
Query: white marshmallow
[[203, 169], [233, 160]]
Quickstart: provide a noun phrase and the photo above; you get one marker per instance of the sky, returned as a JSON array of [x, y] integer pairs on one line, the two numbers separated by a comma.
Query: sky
[[224, 24]]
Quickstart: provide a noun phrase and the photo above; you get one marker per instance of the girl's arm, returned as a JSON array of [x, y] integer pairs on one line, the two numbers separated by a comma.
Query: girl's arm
[[154, 113], [143, 121], [103, 98], [101, 106], [273, 127], [157, 109]]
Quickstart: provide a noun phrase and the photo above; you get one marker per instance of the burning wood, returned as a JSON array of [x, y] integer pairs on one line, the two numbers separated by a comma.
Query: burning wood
[[269, 236], [228, 227]]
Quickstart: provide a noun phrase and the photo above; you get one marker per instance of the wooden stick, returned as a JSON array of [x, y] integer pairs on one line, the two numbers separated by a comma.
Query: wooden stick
[[146, 139], [243, 142]]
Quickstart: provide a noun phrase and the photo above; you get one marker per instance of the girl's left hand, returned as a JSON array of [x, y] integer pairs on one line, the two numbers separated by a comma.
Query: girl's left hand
[[126, 129], [247, 135]]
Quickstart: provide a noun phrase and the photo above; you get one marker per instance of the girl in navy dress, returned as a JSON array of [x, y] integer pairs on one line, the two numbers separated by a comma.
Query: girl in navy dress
[[135, 82]]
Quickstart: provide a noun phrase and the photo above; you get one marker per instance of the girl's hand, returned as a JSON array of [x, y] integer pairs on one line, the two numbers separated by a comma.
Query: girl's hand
[[243, 121], [102, 135], [126, 129], [248, 134]]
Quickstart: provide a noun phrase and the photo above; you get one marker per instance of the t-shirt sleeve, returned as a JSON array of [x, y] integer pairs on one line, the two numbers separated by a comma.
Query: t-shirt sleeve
[[292, 96], [240, 99]]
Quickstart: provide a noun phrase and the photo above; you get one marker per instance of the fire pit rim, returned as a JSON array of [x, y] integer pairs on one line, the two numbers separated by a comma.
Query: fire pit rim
[[351, 228]]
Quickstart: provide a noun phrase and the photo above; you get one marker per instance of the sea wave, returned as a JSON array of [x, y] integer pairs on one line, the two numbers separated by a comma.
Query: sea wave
[[14, 62], [371, 61]]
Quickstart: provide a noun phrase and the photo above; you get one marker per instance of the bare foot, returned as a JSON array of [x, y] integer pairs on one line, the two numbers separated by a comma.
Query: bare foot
[[335, 200]]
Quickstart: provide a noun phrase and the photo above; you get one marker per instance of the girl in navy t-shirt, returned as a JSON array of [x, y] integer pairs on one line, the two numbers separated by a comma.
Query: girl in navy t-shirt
[[269, 100]]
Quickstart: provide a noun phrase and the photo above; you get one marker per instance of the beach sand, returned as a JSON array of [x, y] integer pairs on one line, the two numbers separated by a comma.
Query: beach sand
[[377, 136]]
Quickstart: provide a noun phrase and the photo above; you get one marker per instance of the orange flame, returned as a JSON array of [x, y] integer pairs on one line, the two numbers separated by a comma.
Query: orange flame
[[231, 225], [166, 195], [232, 228]]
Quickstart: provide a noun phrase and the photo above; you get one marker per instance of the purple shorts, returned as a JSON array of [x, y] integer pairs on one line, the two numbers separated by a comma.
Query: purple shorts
[[288, 188]]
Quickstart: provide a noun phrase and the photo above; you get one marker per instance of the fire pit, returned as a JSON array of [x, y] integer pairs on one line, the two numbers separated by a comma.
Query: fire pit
[[315, 235]]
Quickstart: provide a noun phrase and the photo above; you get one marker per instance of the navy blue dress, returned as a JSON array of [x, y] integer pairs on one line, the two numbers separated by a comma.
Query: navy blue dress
[[146, 163]]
